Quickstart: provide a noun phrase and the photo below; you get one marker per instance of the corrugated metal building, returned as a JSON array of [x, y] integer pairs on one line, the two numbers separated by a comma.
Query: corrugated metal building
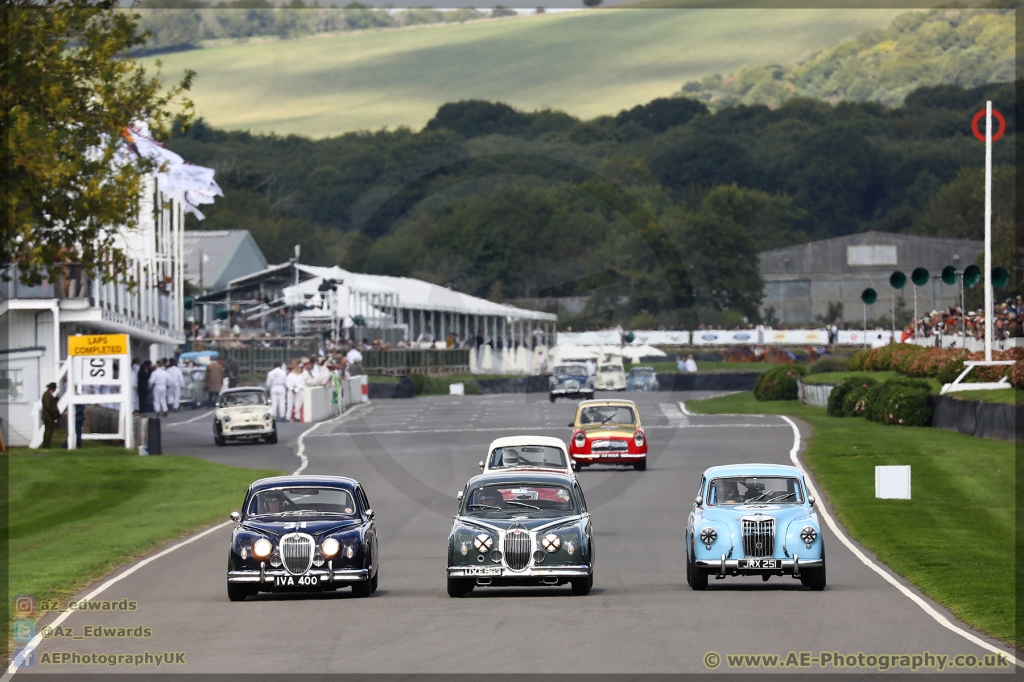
[[226, 255], [801, 281]]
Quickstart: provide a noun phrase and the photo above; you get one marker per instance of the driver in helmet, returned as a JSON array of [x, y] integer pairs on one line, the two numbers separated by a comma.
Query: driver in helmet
[[509, 457], [490, 497], [728, 492], [273, 502]]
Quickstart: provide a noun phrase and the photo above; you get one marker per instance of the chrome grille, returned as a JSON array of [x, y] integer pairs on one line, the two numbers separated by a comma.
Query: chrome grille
[[610, 445], [517, 548], [297, 552], [758, 536]]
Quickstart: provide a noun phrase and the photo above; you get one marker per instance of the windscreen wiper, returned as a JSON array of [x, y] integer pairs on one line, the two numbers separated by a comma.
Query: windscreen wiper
[[522, 504], [781, 497], [484, 506]]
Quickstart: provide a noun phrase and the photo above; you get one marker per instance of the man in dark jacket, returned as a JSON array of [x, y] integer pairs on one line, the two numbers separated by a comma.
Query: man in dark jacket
[[51, 413], [214, 379]]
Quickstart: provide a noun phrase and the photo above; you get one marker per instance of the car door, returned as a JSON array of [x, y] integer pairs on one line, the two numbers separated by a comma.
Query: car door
[[585, 521], [695, 515], [369, 528]]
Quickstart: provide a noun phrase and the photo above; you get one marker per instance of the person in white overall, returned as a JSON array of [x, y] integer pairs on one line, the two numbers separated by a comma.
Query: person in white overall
[[175, 382], [295, 382], [277, 382], [158, 382]]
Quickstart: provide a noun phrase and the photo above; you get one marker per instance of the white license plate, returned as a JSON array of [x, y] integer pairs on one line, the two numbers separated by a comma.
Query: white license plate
[[296, 581], [758, 563], [482, 570]]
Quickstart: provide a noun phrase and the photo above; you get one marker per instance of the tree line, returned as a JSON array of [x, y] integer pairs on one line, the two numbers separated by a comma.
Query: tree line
[[666, 204]]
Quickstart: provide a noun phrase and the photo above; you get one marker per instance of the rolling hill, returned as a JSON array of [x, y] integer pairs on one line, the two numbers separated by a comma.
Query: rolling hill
[[585, 63]]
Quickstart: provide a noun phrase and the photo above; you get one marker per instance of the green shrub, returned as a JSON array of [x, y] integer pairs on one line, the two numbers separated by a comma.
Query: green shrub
[[904, 358], [856, 401], [878, 359], [948, 372], [840, 391], [418, 381], [856, 361], [778, 383], [903, 405], [829, 363]]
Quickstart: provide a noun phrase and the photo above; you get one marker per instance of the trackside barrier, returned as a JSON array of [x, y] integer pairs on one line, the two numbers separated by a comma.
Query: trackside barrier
[[978, 418], [815, 395], [322, 402]]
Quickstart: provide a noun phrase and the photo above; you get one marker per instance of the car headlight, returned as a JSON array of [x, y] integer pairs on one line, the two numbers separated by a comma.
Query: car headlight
[[226, 419], [708, 537], [262, 548], [808, 535], [266, 417], [330, 547], [551, 542], [580, 440], [638, 438], [482, 542]]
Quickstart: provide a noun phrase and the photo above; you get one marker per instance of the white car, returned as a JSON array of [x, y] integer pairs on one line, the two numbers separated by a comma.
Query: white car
[[528, 452], [610, 376], [243, 414]]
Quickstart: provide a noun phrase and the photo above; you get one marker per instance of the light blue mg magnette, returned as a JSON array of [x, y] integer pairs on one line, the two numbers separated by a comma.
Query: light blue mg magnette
[[754, 519]]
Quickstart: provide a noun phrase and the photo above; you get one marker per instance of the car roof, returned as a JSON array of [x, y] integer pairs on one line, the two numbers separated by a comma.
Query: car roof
[[753, 469], [520, 476], [285, 481], [608, 401], [513, 441]]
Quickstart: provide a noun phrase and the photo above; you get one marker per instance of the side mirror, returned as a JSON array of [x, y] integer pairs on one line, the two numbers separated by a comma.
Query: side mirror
[[570, 425], [235, 517], [575, 465], [699, 501], [810, 500], [459, 496], [481, 465], [370, 514]]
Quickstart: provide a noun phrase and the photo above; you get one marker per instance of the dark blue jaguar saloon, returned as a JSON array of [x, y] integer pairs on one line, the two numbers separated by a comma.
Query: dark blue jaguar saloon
[[303, 534]]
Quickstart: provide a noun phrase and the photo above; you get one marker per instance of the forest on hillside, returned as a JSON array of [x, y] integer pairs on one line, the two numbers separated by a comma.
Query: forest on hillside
[[658, 212]]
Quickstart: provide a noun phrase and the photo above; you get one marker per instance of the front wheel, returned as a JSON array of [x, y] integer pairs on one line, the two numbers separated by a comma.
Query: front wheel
[[361, 588], [237, 592], [581, 586], [459, 587], [814, 578], [697, 577], [641, 465], [219, 440], [551, 397], [373, 580], [272, 438]]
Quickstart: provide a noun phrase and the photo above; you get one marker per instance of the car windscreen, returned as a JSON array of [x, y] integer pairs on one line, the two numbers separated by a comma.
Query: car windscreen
[[571, 370], [608, 414], [305, 501], [635, 373], [536, 498], [755, 490], [527, 455], [611, 368], [243, 398]]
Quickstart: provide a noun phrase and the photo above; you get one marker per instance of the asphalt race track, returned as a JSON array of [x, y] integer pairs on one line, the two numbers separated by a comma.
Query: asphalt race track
[[412, 457]]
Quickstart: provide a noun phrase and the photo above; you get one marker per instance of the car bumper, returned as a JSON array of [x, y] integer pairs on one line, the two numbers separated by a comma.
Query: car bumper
[[248, 433], [608, 458], [580, 571], [731, 566], [266, 577], [569, 391]]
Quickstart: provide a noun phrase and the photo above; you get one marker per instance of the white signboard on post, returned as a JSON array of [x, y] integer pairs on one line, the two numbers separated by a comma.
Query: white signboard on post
[[96, 371], [99, 360]]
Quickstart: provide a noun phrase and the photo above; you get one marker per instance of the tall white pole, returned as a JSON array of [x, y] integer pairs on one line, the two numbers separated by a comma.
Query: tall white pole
[[988, 232]]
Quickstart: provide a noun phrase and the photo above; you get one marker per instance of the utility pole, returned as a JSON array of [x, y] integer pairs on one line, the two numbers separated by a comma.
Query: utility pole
[[989, 308]]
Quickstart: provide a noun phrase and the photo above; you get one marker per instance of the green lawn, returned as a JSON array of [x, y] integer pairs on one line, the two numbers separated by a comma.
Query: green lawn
[[586, 63], [1008, 395], [75, 516], [954, 539]]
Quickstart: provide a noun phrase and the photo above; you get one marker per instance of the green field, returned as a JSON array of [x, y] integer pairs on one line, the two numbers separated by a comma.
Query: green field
[[77, 515], [952, 540], [585, 63]]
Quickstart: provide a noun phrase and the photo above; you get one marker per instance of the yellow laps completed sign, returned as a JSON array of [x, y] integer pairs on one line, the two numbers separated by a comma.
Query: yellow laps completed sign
[[103, 344]]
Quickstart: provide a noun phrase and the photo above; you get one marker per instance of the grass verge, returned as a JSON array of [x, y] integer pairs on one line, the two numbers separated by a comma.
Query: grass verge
[[954, 540], [1008, 395], [707, 366], [77, 515]]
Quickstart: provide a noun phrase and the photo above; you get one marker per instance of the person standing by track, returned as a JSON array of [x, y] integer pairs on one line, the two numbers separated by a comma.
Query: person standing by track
[[159, 380], [213, 380], [175, 382], [277, 382]]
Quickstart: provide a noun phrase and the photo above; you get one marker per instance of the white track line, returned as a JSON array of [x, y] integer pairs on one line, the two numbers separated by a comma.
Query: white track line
[[193, 419], [301, 451], [31, 646], [925, 606]]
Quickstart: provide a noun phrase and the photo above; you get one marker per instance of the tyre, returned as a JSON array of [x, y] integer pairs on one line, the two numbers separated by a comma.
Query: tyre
[[459, 587], [696, 577], [552, 397], [581, 586], [219, 440], [641, 465], [814, 578], [373, 580], [238, 592], [361, 588], [272, 438]]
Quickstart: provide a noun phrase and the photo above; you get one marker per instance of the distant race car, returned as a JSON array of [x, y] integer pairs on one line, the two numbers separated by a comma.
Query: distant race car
[[527, 453], [608, 432], [642, 379], [303, 534], [611, 376], [243, 413], [570, 380], [754, 519], [519, 528]]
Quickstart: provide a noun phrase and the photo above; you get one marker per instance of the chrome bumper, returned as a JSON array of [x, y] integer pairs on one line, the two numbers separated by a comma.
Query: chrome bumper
[[242, 433], [724, 567], [566, 391], [611, 455], [346, 575], [532, 572]]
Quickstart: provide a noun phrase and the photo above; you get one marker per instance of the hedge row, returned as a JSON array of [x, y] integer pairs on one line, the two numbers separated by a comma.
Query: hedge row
[[778, 383], [901, 401], [943, 364]]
